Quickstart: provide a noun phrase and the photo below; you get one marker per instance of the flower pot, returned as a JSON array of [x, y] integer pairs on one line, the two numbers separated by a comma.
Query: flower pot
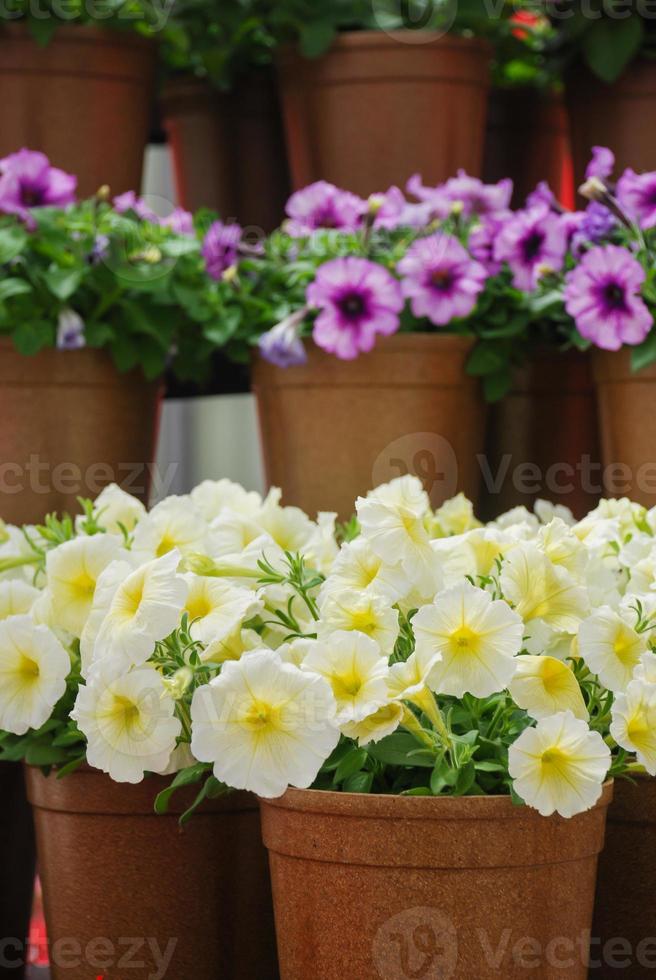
[[527, 139], [72, 425], [112, 869], [84, 100], [627, 410], [17, 864], [397, 886], [228, 149], [613, 115], [332, 430], [380, 106], [625, 902], [543, 437]]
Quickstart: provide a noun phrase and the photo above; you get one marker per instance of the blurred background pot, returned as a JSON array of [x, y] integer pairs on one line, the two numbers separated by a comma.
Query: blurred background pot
[[84, 100], [543, 437], [332, 430], [73, 425], [228, 148], [380, 106], [370, 886], [627, 414], [112, 868]]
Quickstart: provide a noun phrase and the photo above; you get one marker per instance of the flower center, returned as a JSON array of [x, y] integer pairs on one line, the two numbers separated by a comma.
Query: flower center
[[166, 544], [363, 622], [83, 585], [624, 648], [352, 305], [198, 607], [614, 296], [346, 686], [552, 759], [125, 711], [28, 669], [260, 717], [442, 279], [464, 641], [532, 245]]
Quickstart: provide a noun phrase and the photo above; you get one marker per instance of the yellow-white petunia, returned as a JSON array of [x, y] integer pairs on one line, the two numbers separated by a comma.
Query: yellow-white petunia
[[540, 590], [321, 548], [351, 610], [72, 572], [392, 519], [216, 612], [356, 670], [646, 669], [114, 509], [264, 724], [16, 597], [545, 512], [358, 567], [610, 647], [633, 724], [129, 721], [455, 516], [172, 524], [33, 671], [563, 548], [407, 680], [143, 609], [559, 766], [477, 637], [384, 721], [289, 527], [473, 554], [213, 497], [543, 686]]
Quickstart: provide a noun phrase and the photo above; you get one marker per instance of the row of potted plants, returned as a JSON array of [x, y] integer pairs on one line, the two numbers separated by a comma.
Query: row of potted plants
[[431, 710]]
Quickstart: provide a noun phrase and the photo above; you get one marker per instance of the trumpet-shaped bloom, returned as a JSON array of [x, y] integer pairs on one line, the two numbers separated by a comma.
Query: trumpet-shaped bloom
[[173, 523], [264, 724], [212, 497], [634, 722], [559, 766], [478, 638], [73, 570], [544, 685], [33, 670], [358, 567], [384, 721], [115, 509], [361, 612], [16, 597], [538, 589], [407, 679], [129, 721], [356, 670], [610, 647], [216, 612]]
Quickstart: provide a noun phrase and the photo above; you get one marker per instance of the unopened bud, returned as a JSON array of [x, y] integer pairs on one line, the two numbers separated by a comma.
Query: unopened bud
[[593, 189], [103, 193]]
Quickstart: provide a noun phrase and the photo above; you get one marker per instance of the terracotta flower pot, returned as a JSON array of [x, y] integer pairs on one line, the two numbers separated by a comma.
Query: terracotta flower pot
[[72, 425], [112, 869], [627, 410], [543, 437], [220, 142], [84, 100], [331, 429], [613, 115], [397, 886], [527, 139], [380, 106], [625, 903]]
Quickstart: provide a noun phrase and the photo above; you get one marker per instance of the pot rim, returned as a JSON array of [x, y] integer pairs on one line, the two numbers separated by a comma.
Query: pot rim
[[382, 39], [386, 807], [82, 33]]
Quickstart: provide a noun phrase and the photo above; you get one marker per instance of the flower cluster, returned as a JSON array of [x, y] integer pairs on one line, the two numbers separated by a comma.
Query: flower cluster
[[225, 638]]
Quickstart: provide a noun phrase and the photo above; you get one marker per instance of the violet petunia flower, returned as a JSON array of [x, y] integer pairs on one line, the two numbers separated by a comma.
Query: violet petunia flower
[[282, 344], [28, 181], [542, 195], [531, 242], [322, 205], [602, 163], [441, 279], [602, 294], [70, 330], [475, 197], [220, 247], [357, 300], [129, 201], [482, 238], [597, 224], [636, 194], [179, 221]]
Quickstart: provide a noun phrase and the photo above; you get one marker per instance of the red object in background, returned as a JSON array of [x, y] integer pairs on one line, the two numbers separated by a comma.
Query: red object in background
[[38, 943], [527, 18]]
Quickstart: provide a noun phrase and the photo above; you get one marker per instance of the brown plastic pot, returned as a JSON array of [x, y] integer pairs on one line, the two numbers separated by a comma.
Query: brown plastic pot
[[627, 414], [229, 149], [380, 106], [396, 886], [72, 424], [613, 115], [84, 100], [543, 437], [527, 139], [112, 869], [625, 902], [332, 430]]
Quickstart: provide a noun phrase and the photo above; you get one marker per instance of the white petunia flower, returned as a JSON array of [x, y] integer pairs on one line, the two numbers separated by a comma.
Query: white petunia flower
[[33, 671], [633, 723], [289, 527], [128, 720], [16, 597], [478, 638], [264, 724], [610, 647], [384, 721], [115, 509], [172, 524], [545, 512], [559, 766], [357, 567], [455, 516], [540, 590], [368, 614], [356, 670], [543, 686], [72, 572], [563, 548], [212, 497], [216, 612]]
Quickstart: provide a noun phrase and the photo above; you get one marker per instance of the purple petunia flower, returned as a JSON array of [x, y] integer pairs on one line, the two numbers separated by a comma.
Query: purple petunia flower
[[602, 294], [322, 205], [129, 201], [220, 247], [530, 242], [28, 181], [482, 238], [542, 195], [357, 300], [179, 221], [637, 196], [602, 163], [440, 279], [470, 192], [598, 223], [70, 330], [282, 344]]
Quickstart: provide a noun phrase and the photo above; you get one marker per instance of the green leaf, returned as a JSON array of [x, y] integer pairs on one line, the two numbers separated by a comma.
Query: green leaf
[[611, 44], [485, 359], [63, 282], [402, 749], [42, 29], [359, 782], [350, 764], [186, 777], [495, 386], [13, 239], [71, 767], [43, 754], [645, 353], [316, 37], [31, 336], [13, 287]]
